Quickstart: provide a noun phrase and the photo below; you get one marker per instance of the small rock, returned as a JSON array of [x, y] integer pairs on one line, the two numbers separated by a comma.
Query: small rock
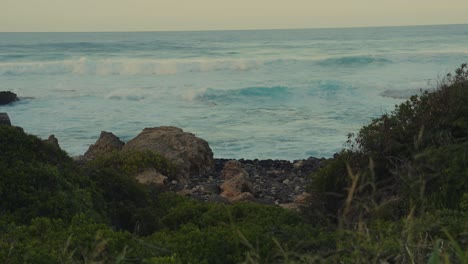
[[151, 177], [301, 198], [53, 141], [107, 143], [231, 169], [174, 182], [287, 181], [7, 97]]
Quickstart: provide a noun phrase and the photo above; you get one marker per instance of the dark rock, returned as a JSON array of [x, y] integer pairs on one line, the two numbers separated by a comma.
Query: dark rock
[[190, 154], [4, 119], [106, 144], [52, 140], [7, 97]]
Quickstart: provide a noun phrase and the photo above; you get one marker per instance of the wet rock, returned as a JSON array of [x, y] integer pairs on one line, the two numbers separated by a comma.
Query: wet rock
[[107, 143], [7, 97], [190, 154]]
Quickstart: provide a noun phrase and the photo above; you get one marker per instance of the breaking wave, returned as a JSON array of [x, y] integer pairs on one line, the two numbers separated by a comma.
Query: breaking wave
[[354, 61], [249, 93], [86, 66]]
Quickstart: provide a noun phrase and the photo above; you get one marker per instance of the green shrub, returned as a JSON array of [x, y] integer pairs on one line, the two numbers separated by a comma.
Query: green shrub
[[128, 204], [416, 155], [38, 179]]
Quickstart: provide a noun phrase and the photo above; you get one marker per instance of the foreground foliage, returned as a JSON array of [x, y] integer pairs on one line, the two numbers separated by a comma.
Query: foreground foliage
[[408, 172], [398, 194]]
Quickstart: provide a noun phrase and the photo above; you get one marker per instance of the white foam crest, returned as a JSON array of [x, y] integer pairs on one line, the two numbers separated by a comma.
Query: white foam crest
[[190, 95], [135, 94], [87, 66]]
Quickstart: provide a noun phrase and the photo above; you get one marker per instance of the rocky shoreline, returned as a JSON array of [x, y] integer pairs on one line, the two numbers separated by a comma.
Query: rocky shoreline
[[279, 182], [202, 177]]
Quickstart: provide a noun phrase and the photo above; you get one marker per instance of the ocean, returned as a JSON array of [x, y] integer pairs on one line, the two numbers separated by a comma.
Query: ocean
[[266, 94]]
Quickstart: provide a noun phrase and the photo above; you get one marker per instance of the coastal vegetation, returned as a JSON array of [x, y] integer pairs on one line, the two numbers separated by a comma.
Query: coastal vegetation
[[397, 194]]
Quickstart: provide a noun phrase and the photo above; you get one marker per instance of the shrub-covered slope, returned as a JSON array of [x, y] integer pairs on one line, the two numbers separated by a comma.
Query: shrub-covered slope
[[416, 155], [38, 179]]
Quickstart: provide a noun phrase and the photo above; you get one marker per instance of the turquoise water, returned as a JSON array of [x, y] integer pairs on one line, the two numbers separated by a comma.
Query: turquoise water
[[285, 94]]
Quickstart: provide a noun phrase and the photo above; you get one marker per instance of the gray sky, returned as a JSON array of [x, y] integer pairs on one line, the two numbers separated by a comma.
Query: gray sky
[[155, 15]]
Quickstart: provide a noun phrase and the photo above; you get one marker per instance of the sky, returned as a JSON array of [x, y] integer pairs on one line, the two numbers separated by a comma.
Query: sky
[[169, 15]]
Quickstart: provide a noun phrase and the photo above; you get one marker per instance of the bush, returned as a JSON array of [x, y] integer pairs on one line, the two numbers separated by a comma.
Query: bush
[[38, 179], [128, 204], [416, 155]]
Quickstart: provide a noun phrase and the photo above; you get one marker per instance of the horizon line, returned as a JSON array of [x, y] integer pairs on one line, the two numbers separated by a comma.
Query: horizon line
[[248, 29]]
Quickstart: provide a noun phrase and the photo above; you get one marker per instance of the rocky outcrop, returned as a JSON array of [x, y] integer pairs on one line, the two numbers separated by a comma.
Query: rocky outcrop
[[7, 97], [4, 119], [191, 155], [107, 143], [237, 186]]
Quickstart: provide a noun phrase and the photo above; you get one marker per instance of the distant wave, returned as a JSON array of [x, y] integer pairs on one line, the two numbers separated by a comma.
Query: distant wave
[[354, 61], [86, 66], [249, 93]]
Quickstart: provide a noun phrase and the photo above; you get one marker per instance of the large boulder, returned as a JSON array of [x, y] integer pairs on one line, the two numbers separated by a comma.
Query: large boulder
[[107, 143], [7, 97], [191, 155], [4, 119], [237, 186]]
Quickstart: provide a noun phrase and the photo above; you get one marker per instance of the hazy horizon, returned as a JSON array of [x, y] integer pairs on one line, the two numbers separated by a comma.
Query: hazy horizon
[[246, 29], [207, 15]]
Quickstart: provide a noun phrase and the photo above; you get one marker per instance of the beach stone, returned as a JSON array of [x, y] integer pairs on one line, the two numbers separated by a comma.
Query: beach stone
[[233, 168], [302, 198], [151, 177], [7, 97], [191, 155], [5, 119], [237, 186], [107, 143]]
